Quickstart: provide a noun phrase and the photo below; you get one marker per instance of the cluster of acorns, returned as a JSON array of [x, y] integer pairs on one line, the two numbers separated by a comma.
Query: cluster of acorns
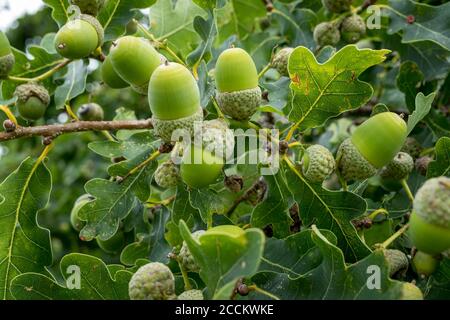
[[350, 29]]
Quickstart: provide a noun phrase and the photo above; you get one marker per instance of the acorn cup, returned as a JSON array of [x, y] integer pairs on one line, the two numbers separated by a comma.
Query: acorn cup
[[317, 163], [110, 76], [153, 281], [185, 256], [372, 146], [7, 59], [134, 60], [326, 34], [353, 28], [32, 101], [430, 220], [238, 94], [280, 61], [91, 7], [174, 100], [79, 38]]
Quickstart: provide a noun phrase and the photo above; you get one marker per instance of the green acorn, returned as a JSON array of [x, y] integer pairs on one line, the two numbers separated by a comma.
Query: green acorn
[[110, 76], [353, 28], [167, 175], [91, 7], [372, 146], [191, 295], [424, 264], [399, 168], [216, 137], [200, 168], [153, 281], [79, 38], [412, 147], [326, 33], [430, 221], [185, 256], [397, 261], [75, 221], [280, 61], [317, 163], [90, 112], [134, 60], [174, 100], [410, 292], [7, 59], [113, 245], [337, 6], [238, 93], [32, 101]]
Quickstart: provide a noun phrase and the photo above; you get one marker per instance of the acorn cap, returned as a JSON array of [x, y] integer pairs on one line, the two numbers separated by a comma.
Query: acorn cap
[[235, 71], [6, 64], [191, 295], [164, 128], [281, 59], [91, 7], [153, 281], [432, 202], [380, 138], [397, 261], [28, 90], [352, 165], [97, 26], [167, 175], [326, 33], [318, 163], [399, 168], [216, 137], [239, 105], [173, 92], [353, 28], [186, 258], [134, 59]]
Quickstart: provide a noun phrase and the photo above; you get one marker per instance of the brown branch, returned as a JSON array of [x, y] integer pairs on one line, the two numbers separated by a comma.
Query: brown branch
[[77, 126]]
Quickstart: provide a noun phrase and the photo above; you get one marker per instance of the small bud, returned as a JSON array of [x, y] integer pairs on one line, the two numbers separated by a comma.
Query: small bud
[[9, 126], [422, 165], [165, 147], [47, 140], [243, 290], [283, 147], [234, 183]]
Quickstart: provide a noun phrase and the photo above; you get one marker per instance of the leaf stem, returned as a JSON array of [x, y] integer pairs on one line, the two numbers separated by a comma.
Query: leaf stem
[[71, 113], [427, 151], [141, 165], [407, 189], [184, 274], [61, 64], [263, 292], [9, 114], [377, 212], [160, 44], [216, 106], [263, 71], [392, 238]]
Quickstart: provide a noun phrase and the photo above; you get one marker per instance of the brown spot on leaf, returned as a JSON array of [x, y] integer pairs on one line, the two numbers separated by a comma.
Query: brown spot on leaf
[[410, 19]]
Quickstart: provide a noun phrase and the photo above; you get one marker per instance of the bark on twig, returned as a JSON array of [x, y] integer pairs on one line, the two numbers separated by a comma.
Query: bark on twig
[[78, 126]]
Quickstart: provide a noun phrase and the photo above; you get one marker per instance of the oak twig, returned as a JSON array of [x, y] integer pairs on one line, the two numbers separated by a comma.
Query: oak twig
[[78, 126]]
